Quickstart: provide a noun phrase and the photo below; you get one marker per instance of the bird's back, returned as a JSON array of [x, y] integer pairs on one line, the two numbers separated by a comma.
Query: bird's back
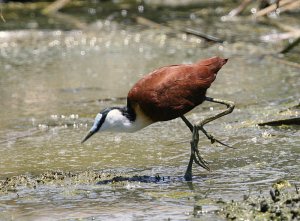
[[172, 91]]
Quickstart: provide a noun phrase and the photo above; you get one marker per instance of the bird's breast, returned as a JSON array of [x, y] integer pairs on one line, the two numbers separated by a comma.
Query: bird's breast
[[141, 121]]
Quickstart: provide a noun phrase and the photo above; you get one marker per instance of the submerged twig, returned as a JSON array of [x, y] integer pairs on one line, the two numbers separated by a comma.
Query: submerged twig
[[55, 6], [290, 46], [290, 121], [239, 9], [283, 6], [152, 24], [290, 63], [147, 22], [293, 5], [52, 10], [202, 35]]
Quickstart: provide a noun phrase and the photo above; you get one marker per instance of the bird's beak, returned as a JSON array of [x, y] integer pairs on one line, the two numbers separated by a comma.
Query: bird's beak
[[96, 126], [89, 134]]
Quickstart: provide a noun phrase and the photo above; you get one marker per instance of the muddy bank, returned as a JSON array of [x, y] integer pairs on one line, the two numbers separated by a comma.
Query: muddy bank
[[281, 203], [61, 178]]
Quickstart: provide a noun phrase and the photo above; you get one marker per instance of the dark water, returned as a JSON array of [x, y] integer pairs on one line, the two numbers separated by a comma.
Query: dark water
[[50, 86]]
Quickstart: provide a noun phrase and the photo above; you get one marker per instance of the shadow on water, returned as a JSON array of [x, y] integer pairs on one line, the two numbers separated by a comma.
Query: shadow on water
[[144, 179]]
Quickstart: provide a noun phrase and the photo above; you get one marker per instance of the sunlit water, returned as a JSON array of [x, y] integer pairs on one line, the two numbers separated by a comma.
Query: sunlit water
[[50, 86]]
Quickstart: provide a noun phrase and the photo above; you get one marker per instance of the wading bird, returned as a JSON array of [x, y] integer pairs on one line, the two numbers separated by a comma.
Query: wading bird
[[165, 94]]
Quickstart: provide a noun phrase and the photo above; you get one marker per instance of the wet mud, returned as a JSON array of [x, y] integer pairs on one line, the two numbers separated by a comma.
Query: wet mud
[[61, 178], [281, 203]]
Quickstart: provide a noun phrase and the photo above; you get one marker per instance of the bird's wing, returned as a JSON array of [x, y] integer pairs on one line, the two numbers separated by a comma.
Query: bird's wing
[[171, 91]]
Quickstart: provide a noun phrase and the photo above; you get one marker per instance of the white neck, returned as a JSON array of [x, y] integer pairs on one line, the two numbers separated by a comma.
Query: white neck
[[115, 121]]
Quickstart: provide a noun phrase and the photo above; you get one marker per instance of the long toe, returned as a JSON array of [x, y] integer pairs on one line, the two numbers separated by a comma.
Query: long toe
[[198, 159], [201, 162]]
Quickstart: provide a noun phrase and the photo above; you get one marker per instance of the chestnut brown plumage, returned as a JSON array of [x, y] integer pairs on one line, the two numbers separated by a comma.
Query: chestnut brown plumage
[[172, 91], [165, 94]]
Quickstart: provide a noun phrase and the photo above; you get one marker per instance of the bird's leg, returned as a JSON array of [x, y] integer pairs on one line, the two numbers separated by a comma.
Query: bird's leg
[[230, 107], [188, 124], [194, 145], [188, 172], [195, 155]]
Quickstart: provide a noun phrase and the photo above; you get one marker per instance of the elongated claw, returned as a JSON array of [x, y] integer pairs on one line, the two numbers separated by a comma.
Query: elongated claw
[[220, 142], [213, 139], [201, 162], [196, 150], [196, 154]]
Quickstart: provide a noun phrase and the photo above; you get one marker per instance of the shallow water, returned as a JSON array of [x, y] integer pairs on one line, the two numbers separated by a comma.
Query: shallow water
[[51, 86]]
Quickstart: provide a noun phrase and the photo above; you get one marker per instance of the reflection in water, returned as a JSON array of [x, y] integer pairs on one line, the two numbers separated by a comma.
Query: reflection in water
[[52, 83]]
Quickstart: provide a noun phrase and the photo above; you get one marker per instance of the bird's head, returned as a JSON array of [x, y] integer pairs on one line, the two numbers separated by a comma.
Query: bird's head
[[110, 119]]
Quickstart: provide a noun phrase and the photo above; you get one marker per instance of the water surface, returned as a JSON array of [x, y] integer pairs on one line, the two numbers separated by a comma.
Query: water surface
[[52, 84]]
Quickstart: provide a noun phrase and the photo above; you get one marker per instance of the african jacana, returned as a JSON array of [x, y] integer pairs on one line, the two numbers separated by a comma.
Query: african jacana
[[165, 94]]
